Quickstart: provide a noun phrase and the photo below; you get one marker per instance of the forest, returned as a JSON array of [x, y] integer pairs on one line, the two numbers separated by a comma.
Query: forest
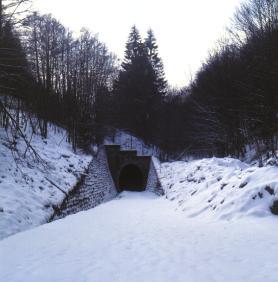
[[49, 73]]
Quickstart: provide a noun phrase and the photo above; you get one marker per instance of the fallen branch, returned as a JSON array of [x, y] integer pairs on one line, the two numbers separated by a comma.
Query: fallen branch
[[54, 184]]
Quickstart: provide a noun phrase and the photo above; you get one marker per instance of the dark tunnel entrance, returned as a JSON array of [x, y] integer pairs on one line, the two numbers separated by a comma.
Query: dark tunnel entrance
[[131, 179]]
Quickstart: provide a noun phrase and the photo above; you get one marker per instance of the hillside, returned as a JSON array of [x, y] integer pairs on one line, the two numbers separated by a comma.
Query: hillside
[[31, 189], [223, 188]]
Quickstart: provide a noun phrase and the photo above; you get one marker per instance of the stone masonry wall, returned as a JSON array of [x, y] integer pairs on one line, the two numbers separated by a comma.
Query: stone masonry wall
[[153, 182], [98, 187]]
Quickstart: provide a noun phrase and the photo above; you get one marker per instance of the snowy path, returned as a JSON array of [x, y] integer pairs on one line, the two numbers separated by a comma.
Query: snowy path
[[140, 237]]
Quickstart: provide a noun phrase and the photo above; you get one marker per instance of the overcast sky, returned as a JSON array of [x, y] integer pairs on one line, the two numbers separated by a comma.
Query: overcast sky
[[185, 29]]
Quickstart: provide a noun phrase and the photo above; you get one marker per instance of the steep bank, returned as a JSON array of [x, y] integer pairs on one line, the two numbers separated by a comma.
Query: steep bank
[[31, 190]]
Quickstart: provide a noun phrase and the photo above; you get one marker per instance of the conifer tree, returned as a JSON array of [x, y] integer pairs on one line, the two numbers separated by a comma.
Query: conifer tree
[[134, 48], [136, 85], [157, 64]]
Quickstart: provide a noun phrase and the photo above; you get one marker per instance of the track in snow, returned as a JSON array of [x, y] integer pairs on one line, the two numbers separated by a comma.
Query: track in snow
[[140, 237]]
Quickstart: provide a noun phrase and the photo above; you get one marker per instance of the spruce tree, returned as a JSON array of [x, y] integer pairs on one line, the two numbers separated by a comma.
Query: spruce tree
[[136, 87], [134, 48], [156, 62]]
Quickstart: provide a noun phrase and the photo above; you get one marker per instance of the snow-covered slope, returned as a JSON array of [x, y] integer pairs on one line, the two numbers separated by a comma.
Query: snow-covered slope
[[224, 188], [29, 190], [130, 142], [140, 237]]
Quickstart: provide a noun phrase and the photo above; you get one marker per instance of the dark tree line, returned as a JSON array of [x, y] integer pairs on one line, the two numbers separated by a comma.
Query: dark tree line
[[45, 70], [13, 63], [235, 92], [72, 73], [16, 82], [232, 103]]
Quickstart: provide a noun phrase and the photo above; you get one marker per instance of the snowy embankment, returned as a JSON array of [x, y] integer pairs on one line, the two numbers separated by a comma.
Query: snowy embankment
[[223, 188], [29, 190], [129, 142], [141, 237]]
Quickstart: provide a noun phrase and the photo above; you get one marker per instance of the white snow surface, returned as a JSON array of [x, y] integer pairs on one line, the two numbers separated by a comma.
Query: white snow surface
[[142, 237], [27, 193], [223, 188]]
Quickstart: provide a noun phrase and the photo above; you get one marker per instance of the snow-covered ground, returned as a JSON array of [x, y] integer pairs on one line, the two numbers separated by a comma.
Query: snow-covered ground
[[223, 188], [214, 223], [141, 237], [29, 190]]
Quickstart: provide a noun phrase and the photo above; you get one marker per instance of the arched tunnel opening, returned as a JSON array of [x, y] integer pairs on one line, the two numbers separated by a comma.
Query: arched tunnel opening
[[131, 179]]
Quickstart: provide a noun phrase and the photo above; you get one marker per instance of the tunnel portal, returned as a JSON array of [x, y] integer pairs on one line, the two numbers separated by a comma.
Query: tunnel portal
[[131, 179], [128, 170]]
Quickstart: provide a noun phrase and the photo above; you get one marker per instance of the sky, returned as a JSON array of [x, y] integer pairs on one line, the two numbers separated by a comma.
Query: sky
[[185, 29]]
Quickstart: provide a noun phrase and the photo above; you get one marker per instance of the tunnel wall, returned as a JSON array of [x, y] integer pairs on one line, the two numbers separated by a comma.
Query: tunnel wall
[[97, 188], [153, 182]]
